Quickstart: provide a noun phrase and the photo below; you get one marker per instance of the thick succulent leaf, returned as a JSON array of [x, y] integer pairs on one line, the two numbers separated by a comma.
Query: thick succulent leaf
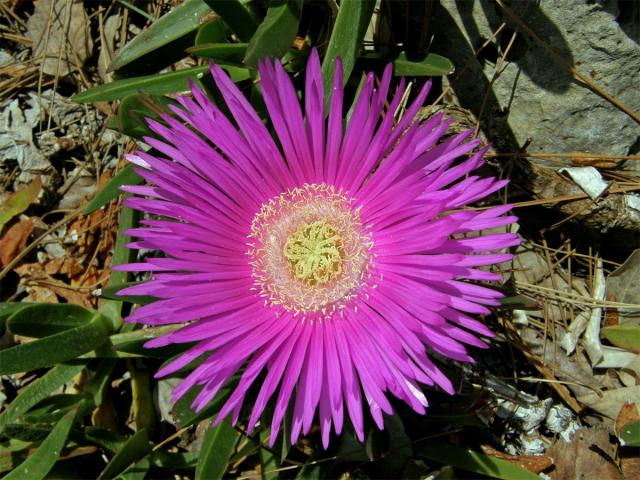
[[111, 292], [72, 331], [111, 190], [346, 38], [185, 415], [276, 33], [211, 32], [134, 449], [447, 454], [240, 15], [431, 65], [219, 443], [268, 461], [180, 21], [158, 84], [39, 390], [6, 310], [37, 465], [228, 52]]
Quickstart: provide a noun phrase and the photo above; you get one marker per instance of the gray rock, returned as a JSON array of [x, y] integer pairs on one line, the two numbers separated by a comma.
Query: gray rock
[[534, 96], [16, 138]]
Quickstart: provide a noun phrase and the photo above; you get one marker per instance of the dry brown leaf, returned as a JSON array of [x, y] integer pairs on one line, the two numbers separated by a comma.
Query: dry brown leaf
[[602, 163], [59, 30], [71, 266], [70, 295], [15, 240], [624, 285], [53, 266], [610, 402], [533, 463], [38, 294], [630, 464], [589, 454]]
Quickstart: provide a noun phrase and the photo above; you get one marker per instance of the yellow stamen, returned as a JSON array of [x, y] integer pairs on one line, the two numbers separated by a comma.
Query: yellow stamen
[[309, 250]]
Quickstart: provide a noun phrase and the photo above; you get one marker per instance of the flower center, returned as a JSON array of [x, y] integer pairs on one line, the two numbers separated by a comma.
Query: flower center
[[309, 250], [315, 252]]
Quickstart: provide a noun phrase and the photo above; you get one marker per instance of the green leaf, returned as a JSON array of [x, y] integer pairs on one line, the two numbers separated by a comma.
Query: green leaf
[[39, 390], [87, 331], [268, 461], [174, 460], [12, 453], [161, 83], [104, 438], [519, 302], [630, 435], [230, 52], [121, 253], [53, 408], [180, 21], [133, 342], [111, 190], [19, 201], [137, 471], [239, 15], [185, 415], [276, 33], [37, 465], [211, 32], [170, 82], [46, 319], [6, 310], [142, 407], [431, 65], [136, 447], [219, 443], [626, 335], [136, 109], [111, 292], [27, 432], [447, 454], [346, 38]]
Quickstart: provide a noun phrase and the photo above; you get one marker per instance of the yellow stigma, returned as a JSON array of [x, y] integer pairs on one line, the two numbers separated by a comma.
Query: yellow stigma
[[315, 252]]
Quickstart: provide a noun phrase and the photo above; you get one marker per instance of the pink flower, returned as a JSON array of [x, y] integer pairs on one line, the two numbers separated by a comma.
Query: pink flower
[[325, 256]]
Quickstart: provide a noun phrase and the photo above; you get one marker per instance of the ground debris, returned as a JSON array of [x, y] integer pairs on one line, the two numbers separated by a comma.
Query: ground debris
[[59, 31]]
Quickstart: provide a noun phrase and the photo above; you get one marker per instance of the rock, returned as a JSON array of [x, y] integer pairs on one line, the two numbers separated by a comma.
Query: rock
[[16, 138], [535, 96]]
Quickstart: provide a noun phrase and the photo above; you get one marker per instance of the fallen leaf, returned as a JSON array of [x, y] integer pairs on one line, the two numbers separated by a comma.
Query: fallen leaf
[[610, 402], [630, 464], [107, 49], [54, 265], [59, 31], [589, 454], [623, 284], [14, 241], [626, 335], [19, 201], [70, 295]]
